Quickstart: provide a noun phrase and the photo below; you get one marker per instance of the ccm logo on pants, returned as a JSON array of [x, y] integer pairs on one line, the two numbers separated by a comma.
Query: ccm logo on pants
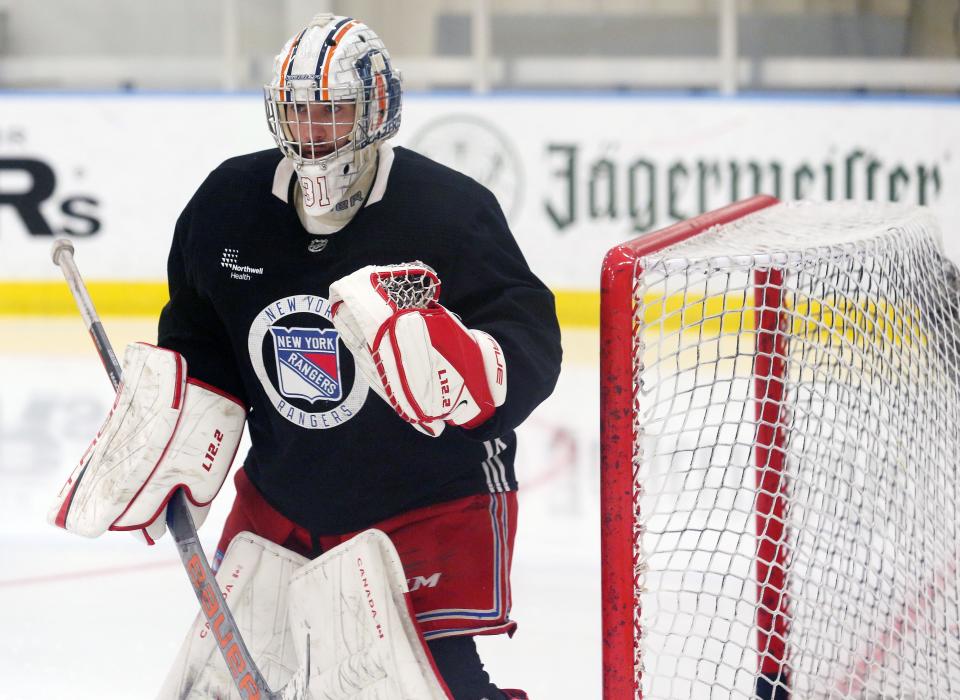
[[418, 582]]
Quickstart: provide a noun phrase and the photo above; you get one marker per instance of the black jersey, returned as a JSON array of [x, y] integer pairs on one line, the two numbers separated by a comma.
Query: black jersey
[[248, 309]]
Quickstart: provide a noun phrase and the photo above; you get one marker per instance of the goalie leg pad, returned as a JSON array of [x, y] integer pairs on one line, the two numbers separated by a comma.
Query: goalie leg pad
[[254, 575], [364, 644]]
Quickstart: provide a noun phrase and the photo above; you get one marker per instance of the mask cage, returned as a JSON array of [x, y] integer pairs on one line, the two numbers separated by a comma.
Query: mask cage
[[310, 129], [299, 112]]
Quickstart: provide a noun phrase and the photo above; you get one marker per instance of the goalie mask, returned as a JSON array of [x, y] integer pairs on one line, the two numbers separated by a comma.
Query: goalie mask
[[333, 96]]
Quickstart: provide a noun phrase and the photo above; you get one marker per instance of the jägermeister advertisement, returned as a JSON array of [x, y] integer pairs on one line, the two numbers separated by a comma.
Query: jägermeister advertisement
[[574, 175]]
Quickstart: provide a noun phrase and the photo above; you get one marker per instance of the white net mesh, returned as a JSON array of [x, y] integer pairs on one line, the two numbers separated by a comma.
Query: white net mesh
[[862, 335], [409, 285]]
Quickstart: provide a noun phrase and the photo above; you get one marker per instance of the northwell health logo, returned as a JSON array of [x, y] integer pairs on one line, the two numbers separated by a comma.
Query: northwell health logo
[[238, 272]]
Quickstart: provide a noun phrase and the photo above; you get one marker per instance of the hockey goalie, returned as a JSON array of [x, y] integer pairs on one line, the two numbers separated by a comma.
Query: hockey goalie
[[361, 309]]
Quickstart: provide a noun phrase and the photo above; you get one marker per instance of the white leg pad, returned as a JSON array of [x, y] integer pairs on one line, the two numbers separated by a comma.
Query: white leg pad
[[353, 602], [254, 576]]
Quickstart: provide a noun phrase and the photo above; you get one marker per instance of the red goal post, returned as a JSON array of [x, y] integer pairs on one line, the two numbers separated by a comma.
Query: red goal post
[[617, 356]]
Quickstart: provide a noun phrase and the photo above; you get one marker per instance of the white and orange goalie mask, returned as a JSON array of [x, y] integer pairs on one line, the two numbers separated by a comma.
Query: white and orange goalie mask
[[333, 96]]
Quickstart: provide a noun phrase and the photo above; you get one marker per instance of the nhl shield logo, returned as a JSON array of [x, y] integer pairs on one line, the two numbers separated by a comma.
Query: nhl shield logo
[[308, 363]]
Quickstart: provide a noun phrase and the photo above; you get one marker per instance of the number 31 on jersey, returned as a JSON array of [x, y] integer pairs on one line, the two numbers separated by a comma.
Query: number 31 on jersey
[[314, 190]]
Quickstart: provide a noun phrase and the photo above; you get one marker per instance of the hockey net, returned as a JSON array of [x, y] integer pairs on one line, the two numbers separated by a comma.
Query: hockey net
[[780, 435]]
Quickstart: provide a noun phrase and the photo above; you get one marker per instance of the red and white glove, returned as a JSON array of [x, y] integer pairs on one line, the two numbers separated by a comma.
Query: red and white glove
[[415, 354], [165, 431]]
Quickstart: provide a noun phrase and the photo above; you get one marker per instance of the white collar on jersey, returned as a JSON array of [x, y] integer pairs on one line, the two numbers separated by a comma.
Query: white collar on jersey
[[284, 173]]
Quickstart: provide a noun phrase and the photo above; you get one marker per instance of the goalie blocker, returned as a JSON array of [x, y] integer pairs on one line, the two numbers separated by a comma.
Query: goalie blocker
[[165, 431]]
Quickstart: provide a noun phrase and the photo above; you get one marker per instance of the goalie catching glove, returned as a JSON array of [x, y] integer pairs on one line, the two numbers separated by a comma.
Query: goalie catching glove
[[415, 353], [165, 431]]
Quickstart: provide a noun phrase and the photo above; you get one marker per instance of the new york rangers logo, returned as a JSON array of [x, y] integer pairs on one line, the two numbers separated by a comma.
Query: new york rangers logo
[[308, 363]]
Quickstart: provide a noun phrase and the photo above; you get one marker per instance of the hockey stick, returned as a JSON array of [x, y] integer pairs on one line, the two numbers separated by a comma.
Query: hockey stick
[[244, 671]]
